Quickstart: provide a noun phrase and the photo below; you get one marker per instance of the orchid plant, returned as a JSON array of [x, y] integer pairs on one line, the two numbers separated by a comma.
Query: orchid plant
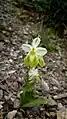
[[33, 58]]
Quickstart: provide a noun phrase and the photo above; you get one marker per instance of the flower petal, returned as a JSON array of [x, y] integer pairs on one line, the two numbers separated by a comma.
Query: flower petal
[[33, 72], [26, 47], [41, 61], [36, 42], [41, 51]]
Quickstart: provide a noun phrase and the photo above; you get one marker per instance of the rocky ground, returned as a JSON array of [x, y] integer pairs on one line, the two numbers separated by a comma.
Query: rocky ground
[[18, 26]]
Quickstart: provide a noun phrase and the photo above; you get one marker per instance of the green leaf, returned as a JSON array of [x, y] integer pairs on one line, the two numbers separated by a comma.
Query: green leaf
[[38, 102], [26, 97], [27, 94], [41, 61]]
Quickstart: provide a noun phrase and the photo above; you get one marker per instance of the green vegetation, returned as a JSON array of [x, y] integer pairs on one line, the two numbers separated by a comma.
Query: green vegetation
[[29, 95], [48, 37], [54, 12]]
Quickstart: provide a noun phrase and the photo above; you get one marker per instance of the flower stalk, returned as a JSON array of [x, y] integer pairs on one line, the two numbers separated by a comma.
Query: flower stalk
[[33, 59]]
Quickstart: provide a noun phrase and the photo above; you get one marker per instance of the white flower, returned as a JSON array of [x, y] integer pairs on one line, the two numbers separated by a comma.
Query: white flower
[[33, 73], [39, 50]]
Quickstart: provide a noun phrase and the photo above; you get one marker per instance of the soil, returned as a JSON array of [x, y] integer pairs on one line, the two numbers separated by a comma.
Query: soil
[[18, 26]]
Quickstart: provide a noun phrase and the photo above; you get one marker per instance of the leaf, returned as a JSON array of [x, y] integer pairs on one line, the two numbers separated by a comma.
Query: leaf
[[41, 51], [41, 61], [36, 42], [26, 47], [27, 95], [38, 102]]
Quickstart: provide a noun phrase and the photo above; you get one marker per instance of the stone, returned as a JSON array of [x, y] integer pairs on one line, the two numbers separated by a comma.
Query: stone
[[11, 114], [1, 115], [42, 109], [1, 106], [47, 114], [1, 94], [19, 115], [66, 73], [52, 114], [55, 88], [35, 111], [16, 103], [60, 96], [1, 45], [54, 81], [1, 103], [10, 60], [60, 106], [62, 114], [44, 85], [11, 71], [25, 32]]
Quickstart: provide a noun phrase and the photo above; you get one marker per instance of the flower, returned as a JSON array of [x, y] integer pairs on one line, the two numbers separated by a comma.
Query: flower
[[35, 53], [33, 73], [39, 50]]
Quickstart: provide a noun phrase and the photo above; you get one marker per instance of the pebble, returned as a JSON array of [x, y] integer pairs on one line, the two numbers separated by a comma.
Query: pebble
[[16, 103], [19, 115], [25, 32], [52, 115], [60, 96], [1, 94], [11, 71], [44, 85], [10, 60], [35, 111], [1, 103], [1, 45], [54, 81], [60, 106], [55, 88], [1, 106], [11, 114], [66, 73]]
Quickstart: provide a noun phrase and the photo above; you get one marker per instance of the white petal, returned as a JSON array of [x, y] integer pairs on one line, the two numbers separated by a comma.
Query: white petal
[[36, 42], [33, 72], [26, 47], [41, 51]]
